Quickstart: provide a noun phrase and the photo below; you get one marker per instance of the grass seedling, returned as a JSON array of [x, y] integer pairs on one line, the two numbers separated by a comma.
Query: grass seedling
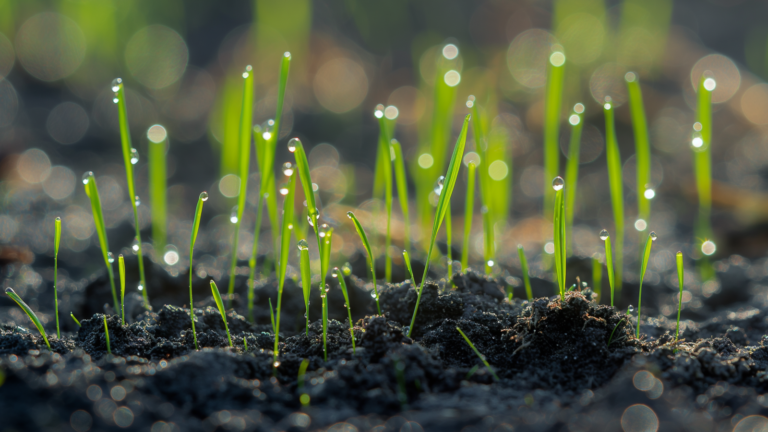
[[701, 144], [220, 305], [158, 147], [340, 276], [469, 211], [480, 356], [15, 297], [106, 334], [371, 259], [325, 251], [75, 319], [98, 219], [642, 148], [572, 166], [610, 339], [130, 158], [121, 271], [272, 316], [449, 182], [246, 116], [448, 246], [285, 244], [524, 270], [617, 195], [252, 261], [383, 184], [559, 233], [407, 259], [306, 277], [552, 103], [56, 243], [608, 260], [648, 242], [195, 227], [402, 191], [597, 276], [485, 187], [680, 275], [300, 381]]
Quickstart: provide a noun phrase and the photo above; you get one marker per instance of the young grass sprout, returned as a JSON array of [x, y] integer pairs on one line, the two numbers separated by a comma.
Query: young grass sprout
[[469, 210], [285, 243], [15, 297], [222, 311], [480, 356], [559, 233], [74, 319], [642, 150], [106, 334], [98, 220], [306, 277], [680, 275], [608, 260], [158, 147], [121, 271], [340, 276], [648, 242], [371, 259], [597, 275], [572, 166], [195, 227], [615, 180], [552, 103], [524, 270], [56, 243]]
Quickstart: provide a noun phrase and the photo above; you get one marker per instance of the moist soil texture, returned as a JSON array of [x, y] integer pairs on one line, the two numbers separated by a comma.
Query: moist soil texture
[[566, 364]]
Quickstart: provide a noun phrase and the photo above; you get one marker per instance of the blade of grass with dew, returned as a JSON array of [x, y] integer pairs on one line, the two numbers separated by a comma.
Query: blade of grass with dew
[[572, 167], [499, 175], [340, 276], [326, 235], [121, 272], [158, 146], [306, 278], [130, 158], [558, 185], [252, 261], [642, 145], [484, 179], [469, 211], [36, 321], [703, 168], [524, 270], [220, 306], [401, 183], [75, 319], [613, 158], [195, 227], [680, 275], [597, 276], [325, 238], [385, 164], [285, 246], [648, 242], [106, 335], [98, 220], [244, 158], [480, 356], [552, 103], [371, 258], [56, 243], [442, 206], [609, 262]]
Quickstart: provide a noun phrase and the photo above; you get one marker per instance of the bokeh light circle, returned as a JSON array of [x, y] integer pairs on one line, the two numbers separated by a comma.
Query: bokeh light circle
[[60, 183], [639, 418], [723, 70], [157, 133], [528, 56], [608, 80], [582, 35], [33, 166], [156, 56], [753, 423], [340, 85], [67, 123], [754, 104], [50, 46]]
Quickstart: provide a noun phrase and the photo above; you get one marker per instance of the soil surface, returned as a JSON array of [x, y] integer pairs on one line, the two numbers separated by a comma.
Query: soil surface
[[570, 364]]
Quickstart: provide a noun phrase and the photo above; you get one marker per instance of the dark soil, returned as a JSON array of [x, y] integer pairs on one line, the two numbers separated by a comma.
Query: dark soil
[[562, 365]]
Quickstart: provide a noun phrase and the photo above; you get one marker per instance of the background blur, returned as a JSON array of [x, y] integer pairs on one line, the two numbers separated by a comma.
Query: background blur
[[181, 63]]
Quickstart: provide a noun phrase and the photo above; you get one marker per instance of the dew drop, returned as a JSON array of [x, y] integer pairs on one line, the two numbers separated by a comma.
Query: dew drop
[[630, 309], [292, 143], [710, 84], [284, 190], [323, 230], [350, 214], [116, 84], [310, 221], [379, 111], [373, 295], [140, 287], [490, 263], [335, 273], [233, 215], [276, 364], [649, 193], [110, 257], [653, 236], [204, 196], [247, 71], [135, 245], [267, 127], [87, 176], [115, 100], [558, 183], [604, 235], [288, 169], [137, 200], [708, 247], [439, 185], [58, 219], [303, 245], [134, 156], [327, 287]]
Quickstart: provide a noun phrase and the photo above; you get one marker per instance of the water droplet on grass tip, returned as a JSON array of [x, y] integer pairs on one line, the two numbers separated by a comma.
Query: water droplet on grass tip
[[649, 193], [233, 215], [708, 247], [58, 219], [115, 100], [287, 169], [653, 236], [204, 196], [470, 101], [137, 200], [310, 221], [87, 176], [379, 111], [604, 235], [292, 143], [140, 287], [303, 245], [557, 58], [574, 119], [116, 84], [558, 183], [373, 295], [134, 156], [697, 142], [323, 230], [335, 272], [490, 263], [710, 84], [267, 127], [247, 71], [9, 290], [284, 190], [135, 245], [630, 77], [350, 215], [630, 309], [327, 288], [439, 185], [110, 257], [276, 364]]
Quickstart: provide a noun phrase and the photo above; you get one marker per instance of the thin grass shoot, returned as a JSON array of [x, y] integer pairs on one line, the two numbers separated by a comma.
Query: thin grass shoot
[[558, 184], [648, 242], [56, 243], [613, 159], [469, 211], [597, 276], [121, 272], [158, 147], [371, 258], [480, 356], [285, 243], [572, 166], [484, 179], [524, 270], [35, 320], [552, 103], [71, 314], [610, 339], [195, 227], [608, 261], [92, 190], [642, 147], [680, 277], [306, 278], [340, 276], [220, 306], [106, 335], [402, 191]]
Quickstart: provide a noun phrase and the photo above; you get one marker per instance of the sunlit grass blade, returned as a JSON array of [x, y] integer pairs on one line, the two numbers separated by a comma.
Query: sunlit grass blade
[[552, 104], [285, 244], [572, 167], [648, 242], [130, 158], [484, 179], [121, 272], [195, 227], [74, 319], [158, 147], [448, 245], [449, 182], [469, 211], [382, 184], [613, 158], [252, 261], [680, 276], [701, 145], [559, 233], [220, 306], [609, 261], [402, 191], [524, 270], [343, 285], [642, 145], [15, 297], [407, 259], [480, 356], [56, 243], [371, 258], [306, 277], [98, 219], [244, 158], [325, 237], [106, 335], [597, 276]]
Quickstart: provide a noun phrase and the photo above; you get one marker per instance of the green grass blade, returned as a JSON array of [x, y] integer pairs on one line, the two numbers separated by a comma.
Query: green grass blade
[[485, 183], [98, 219], [680, 275], [106, 334], [195, 227], [609, 262], [326, 250], [559, 233], [121, 271], [246, 114], [648, 242], [469, 211], [340, 276], [442, 205], [371, 258], [480, 356], [75, 319], [401, 183], [272, 315], [158, 146], [642, 145], [56, 243], [220, 305], [610, 339], [306, 277], [572, 167], [130, 157], [703, 155], [252, 260], [384, 165], [285, 243], [597, 276], [552, 104], [448, 246], [407, 259], [617, 194], [524, 270], [36, 321]]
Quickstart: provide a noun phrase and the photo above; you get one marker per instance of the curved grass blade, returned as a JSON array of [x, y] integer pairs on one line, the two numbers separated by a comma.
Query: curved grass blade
[[617, 194], [559, 233], [642, 145], [306, 278], [480, 356], [285, 243], [552, 103], [401, 183], [524, 269], [121, 272], [680, 275], [648, 242], [572, 166], [130, 157], [469, 211], [610, 339], [407, 259], [442, 206], [597, 276], [56, 243], [195, 227], [272, 315], [340, 276], [252, 260], [158, 146], [98, 219], [15, 297], [220, 305], [371, 259], [106, 334], [75, 319], [246, 114]]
